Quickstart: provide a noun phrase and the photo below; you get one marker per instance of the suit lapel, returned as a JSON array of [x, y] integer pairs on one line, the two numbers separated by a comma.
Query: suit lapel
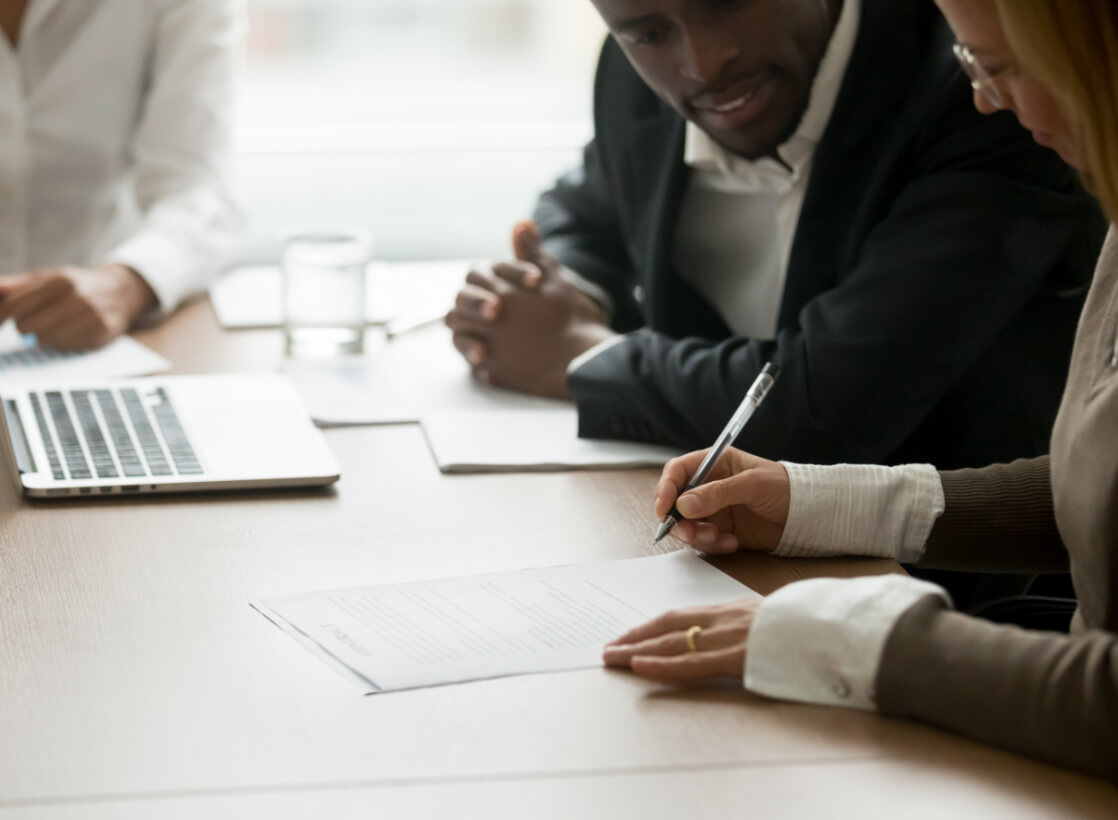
[[660, 182], [887, 55], [874, 91]]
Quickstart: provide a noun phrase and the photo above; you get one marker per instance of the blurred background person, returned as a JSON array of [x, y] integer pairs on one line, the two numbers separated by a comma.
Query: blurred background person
[[114, 144]]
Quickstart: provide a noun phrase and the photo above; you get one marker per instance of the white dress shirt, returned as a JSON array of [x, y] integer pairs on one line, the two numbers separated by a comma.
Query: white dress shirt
[[738, 218], [114, 127], [820, 641]]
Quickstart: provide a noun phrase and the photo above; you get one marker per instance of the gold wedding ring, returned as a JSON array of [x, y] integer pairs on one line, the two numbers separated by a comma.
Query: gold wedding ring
[[692, 634]]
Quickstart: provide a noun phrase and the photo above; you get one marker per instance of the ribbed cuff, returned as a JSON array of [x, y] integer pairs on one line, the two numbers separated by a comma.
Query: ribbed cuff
[[861, 509], [998, 519]]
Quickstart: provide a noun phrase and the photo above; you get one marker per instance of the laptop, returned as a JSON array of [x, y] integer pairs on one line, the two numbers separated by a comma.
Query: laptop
[[162, 435]]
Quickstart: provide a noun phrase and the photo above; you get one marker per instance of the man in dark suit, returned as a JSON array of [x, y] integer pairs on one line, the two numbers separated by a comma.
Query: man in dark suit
[[804, 182]]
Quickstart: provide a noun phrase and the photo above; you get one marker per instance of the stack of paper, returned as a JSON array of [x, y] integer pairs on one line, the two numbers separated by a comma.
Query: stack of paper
[[405, 636], [470, 427], [400, 382], [540, 439]]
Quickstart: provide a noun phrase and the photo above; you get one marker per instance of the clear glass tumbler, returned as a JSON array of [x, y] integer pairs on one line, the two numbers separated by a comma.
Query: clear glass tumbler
[[324, 291]]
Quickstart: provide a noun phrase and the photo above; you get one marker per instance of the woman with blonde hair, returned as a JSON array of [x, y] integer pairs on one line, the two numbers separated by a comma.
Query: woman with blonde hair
[[893, 643]]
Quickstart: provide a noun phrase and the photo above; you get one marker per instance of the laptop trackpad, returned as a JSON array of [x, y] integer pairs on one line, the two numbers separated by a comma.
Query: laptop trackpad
[[255, 428]]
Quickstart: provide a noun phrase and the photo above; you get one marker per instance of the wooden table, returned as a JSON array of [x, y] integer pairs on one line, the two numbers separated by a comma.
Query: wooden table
[[136, 682]]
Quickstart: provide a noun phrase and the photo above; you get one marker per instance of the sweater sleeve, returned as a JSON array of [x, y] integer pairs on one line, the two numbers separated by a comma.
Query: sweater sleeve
[[1046, 695], [997, 519]]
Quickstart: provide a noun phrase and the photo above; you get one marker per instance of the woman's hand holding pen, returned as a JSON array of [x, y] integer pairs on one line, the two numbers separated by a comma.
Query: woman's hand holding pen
[[744, 502]]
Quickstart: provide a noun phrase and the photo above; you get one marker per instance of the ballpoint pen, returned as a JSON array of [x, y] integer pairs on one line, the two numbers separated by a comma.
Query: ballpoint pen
[[753, 398], [413, 321]]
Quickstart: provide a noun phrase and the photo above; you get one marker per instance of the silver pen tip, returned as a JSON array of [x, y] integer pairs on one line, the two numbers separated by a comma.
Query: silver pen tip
[[664, 528]]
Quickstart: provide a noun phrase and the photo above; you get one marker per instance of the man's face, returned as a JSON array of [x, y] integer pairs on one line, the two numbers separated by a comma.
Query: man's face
[[742, 70]]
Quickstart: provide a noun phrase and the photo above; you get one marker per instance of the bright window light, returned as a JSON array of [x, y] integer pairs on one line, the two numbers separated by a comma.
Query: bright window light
[[337, 76]]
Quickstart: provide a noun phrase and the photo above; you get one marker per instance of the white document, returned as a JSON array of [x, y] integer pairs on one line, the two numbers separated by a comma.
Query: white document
[[21, 360], [470, 441], [406, 636], [470, 427], [400, 381], [249, 297]]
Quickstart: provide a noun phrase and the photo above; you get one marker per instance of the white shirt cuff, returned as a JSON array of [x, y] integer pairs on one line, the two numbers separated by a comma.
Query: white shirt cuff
[[160, 262], [184, 243], [820, 641], [601, 347], [861, 509]]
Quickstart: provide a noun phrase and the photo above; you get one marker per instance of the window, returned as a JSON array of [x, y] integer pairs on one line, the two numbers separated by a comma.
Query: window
[[435, 123], [450, 65]]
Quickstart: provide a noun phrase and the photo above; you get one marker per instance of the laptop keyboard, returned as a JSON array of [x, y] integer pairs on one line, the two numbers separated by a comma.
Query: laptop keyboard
[[149, 442], [130, 461], [133, 436]]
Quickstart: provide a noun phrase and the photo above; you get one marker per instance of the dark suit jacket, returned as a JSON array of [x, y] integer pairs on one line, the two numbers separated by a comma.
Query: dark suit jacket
[[935, 280]]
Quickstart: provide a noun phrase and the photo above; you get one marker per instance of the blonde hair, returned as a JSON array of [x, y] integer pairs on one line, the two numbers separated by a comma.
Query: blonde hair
[[1071, 47]]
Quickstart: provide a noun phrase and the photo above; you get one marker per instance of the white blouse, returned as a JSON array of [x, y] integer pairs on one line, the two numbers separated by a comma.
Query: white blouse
[[821, 641], [115, 136]]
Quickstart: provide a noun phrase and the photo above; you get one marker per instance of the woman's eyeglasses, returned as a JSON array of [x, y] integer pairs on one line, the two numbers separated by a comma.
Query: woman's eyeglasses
[[983, 81]]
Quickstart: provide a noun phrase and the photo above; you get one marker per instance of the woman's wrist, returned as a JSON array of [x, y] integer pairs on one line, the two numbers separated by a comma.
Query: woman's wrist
[[860, 509]]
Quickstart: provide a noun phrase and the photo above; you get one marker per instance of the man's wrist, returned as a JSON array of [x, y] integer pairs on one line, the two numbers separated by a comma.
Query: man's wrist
[[138, 296], [589, 335], [593, 292], [581, 339]]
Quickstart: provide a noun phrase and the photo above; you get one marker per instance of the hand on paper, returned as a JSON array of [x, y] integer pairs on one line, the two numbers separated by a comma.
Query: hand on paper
[[520, 324], [70, 308], [659, 650], [744, 502]]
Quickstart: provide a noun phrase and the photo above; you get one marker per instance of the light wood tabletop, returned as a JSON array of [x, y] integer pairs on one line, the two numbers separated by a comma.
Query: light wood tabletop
[[136, 682]]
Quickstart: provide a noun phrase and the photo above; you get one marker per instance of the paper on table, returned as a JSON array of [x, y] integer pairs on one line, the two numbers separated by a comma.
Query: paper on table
[[399, 382], [249, 297], [538, 440], [21, 360], [470, 427], [452, 630]]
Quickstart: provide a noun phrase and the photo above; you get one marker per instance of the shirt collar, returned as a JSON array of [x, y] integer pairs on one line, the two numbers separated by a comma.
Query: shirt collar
[[703, 153], [36, 12]]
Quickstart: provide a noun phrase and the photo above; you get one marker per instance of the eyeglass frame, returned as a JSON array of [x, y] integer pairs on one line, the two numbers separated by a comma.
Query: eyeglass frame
[[981, 79]]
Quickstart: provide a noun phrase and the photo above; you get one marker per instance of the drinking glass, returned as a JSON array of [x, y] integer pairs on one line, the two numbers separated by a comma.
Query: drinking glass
[[324, 291]]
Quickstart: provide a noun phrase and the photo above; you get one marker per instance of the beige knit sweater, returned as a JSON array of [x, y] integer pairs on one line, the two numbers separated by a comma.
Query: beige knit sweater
[[1044, 694]]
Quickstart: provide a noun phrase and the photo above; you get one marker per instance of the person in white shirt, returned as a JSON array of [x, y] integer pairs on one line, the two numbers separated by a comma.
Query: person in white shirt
[[115, 134]]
